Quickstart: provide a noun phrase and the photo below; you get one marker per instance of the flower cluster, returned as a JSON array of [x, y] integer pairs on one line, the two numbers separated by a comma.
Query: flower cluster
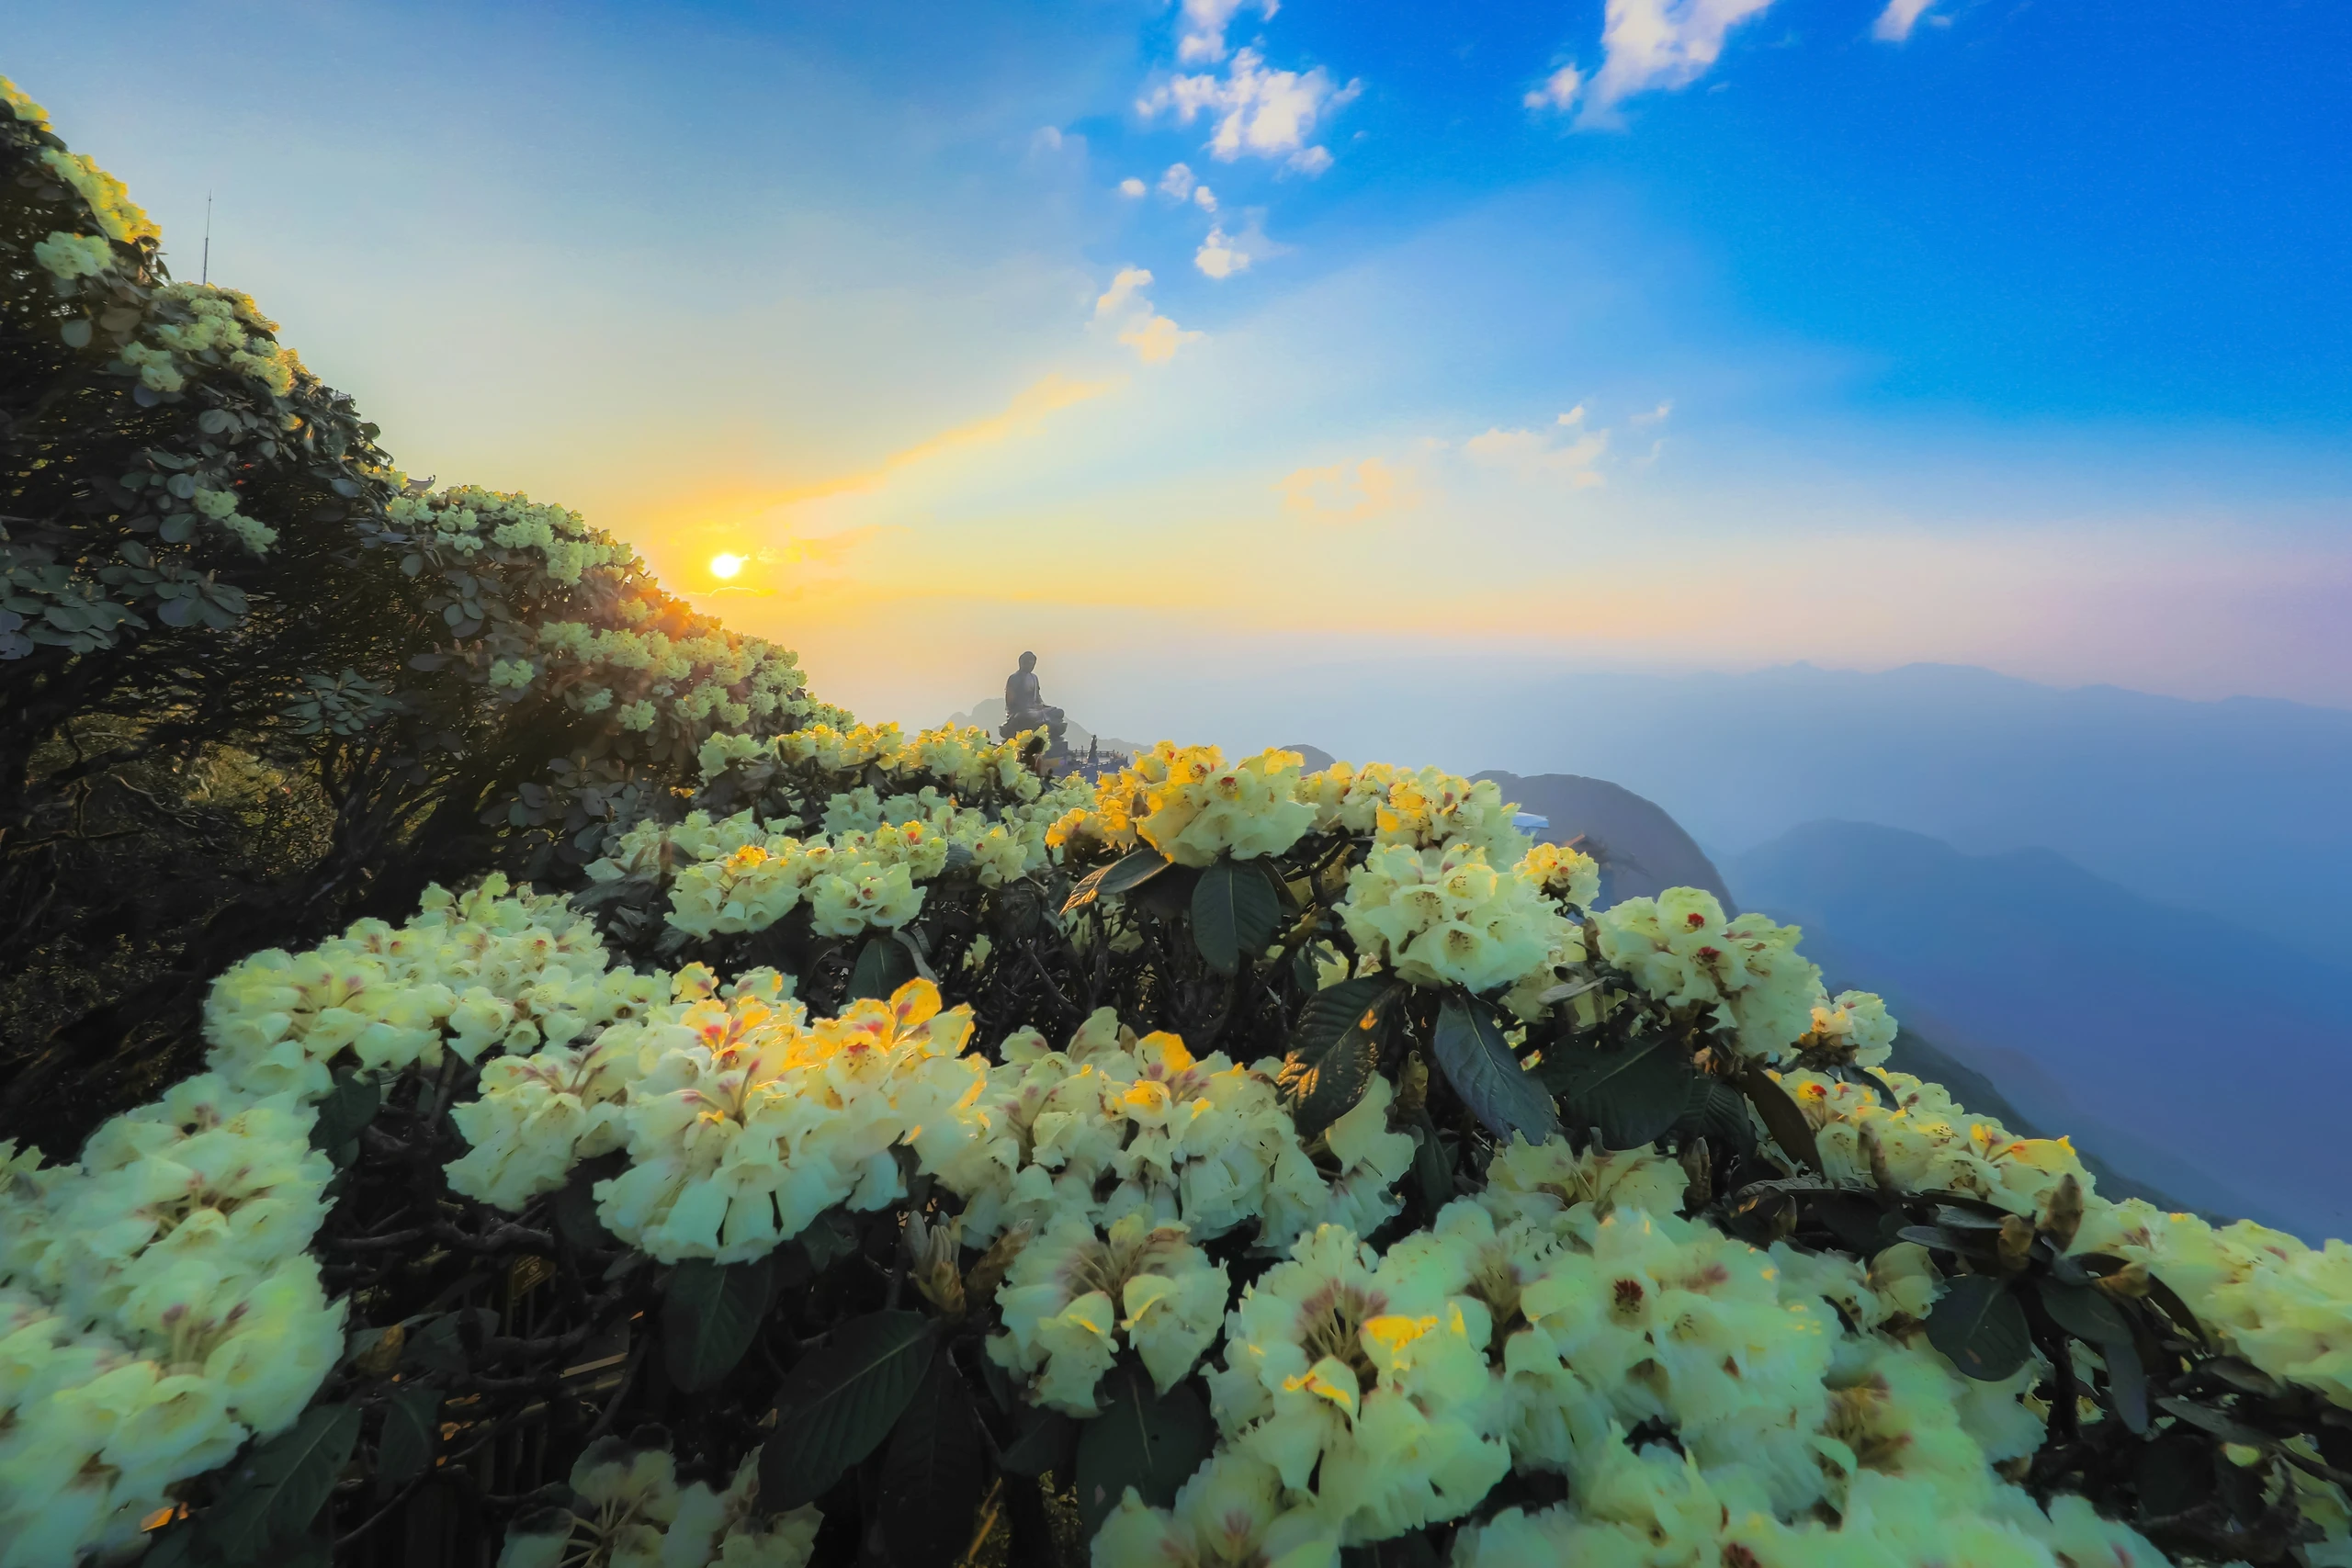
[[1425, 810], [1927, 1142], [752, 1124], [1116, 1126], [1564, 871], [1745, 972], [628, 1507], [832, 753], [1185, 802], [1076, 1294], [158, 1307], [2281, 1303], [469, 973], [1445, 917]]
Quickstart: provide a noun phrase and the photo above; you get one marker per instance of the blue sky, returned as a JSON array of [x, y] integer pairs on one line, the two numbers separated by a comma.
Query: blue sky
[[1655, 333]]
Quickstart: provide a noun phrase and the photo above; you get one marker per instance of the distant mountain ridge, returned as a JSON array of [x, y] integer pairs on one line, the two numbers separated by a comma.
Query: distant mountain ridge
[[2229, 806]]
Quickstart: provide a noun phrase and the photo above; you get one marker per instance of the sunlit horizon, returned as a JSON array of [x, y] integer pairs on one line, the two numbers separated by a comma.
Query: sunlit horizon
[[1398, 345]]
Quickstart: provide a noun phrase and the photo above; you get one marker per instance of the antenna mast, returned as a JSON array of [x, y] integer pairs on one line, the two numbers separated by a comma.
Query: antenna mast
[[206, 275]]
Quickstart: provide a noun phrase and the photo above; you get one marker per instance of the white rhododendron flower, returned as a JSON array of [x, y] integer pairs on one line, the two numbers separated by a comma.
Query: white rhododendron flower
[[1365, 1387], [1445, 917], [739, 1140], [1680, 951], [1190, 806], [1074, 1296]]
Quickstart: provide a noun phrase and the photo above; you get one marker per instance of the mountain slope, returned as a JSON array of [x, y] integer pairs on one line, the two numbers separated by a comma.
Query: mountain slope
[[1642, 850], [2225, 1060]]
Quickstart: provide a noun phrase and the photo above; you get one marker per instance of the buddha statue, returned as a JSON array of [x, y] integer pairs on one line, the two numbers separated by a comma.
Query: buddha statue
[[1025, 708]]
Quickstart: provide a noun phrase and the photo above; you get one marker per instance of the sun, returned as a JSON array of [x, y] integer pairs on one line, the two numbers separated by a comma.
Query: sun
[[725, 565]]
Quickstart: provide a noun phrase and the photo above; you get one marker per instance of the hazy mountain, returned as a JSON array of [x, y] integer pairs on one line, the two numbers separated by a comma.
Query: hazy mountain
[[2191, 1051], [1642, 850], [2235, 807]]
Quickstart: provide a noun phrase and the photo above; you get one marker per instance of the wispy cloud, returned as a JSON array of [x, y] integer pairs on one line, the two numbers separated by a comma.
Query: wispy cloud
[[1029, 408], [1556, 92], [1201, 34], [1895, 23], [1564, 450], [1256, 113], [1154, 337], [1131, 187], [1659, 45], [1333, 494], [1178, 182]]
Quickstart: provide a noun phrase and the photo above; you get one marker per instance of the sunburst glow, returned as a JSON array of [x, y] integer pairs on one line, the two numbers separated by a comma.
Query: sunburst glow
[[725, 565]]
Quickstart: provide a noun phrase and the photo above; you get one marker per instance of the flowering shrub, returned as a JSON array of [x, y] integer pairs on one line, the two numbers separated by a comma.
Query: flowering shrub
[[864, 1148], [210, 572]]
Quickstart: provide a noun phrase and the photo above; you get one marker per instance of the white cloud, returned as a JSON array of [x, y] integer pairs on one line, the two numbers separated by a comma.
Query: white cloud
[[1223, 255], [1656, 416], [1201, 36], [1177, 183], [1052, 139], [1564, 450], [1258, 113], [1154, 337], [1220, 258], [1128, 285], [1131, 187], [1558, 91], [1895, 23], [1658, 45], [1333, 495], [1204, 198]]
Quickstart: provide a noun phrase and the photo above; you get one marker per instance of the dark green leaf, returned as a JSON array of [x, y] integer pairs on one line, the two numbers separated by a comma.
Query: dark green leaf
[[412, 1432], [2243, 1376], [2127, 1383], [1046, 1443], [1478, 1062], [1633, 1094], [1432, 1165], [2086, 1312], [883, 965], [1979, 1325], [1716, 1111], [212, 421], [1151, 1442], [348, 1107], [2168, 1298], [932, 1473], [2213, 1421], [830, 1237], [1334, 1051], [76, 332], [710, 1313], [274, 1494], [1134, 870], [840, 1401], [1233, 914], [1782, 1119], [1940, 1238], [1856, 1219]]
